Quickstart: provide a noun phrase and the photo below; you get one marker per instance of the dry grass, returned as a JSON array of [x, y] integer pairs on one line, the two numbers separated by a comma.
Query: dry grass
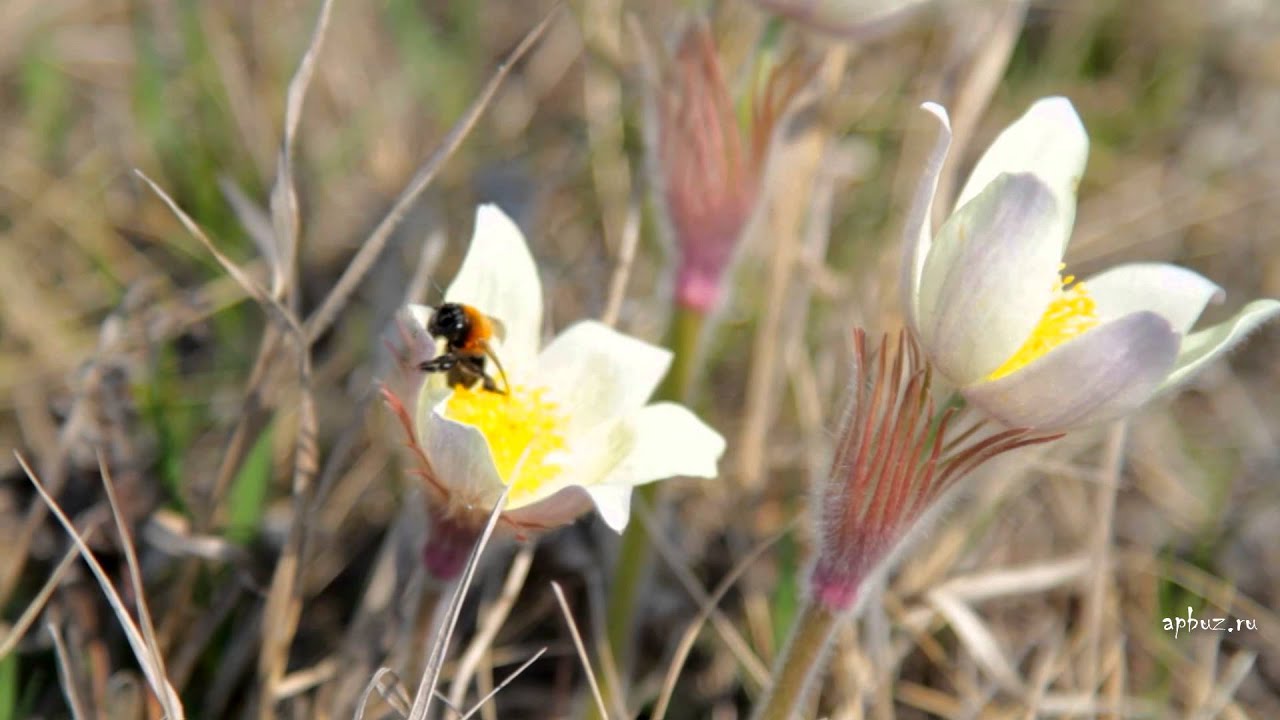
[[260, 551]]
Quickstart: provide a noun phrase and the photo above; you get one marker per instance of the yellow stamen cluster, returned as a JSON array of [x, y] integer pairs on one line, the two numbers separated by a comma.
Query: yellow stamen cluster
[[1070, 313], [520, 424]]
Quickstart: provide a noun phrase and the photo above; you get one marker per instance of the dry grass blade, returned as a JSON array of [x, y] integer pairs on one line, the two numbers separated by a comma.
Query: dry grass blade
[[149, 663], [284, 197], [704, 613], [296, 683], [135, 578], [68, 680], [491, 624], [505, 682], [1097, 599], [29, 615], [284, 600], [979, 640], [431, 676], [253, 219], [251, 286], [1236, 672], [323, 317], [1027, 580], [787, 211], [398, 701], [283, 604], [622, 269], [582, 650]]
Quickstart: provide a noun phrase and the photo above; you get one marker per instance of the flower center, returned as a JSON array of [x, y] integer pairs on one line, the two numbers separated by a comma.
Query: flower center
[[1070, 313], [521, 424]]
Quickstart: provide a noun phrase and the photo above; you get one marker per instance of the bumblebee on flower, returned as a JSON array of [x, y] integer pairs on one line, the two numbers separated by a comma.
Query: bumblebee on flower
[[560, 429]]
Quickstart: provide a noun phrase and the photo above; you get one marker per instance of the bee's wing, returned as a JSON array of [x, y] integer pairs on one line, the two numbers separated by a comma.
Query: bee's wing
[[499, 330]]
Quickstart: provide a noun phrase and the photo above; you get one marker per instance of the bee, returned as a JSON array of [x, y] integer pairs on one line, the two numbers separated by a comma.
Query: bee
[[466, 332]]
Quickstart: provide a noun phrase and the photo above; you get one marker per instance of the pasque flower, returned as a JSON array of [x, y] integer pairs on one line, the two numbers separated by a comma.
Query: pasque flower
[[708, 165], [988, 303], [573, 428]]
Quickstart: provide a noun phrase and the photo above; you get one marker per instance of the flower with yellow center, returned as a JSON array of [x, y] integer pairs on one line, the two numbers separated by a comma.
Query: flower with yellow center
[[1030, 347], [573, 428]]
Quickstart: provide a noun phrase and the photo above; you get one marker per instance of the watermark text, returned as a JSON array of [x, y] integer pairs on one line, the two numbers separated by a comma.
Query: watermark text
[[1191, 623]]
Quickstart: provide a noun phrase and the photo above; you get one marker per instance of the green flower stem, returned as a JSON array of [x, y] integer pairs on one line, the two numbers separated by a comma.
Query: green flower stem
[[633, 555], [800, 663]]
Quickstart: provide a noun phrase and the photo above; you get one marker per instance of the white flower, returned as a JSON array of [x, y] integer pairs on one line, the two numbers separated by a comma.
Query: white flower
[[574, 429], [986, 300]]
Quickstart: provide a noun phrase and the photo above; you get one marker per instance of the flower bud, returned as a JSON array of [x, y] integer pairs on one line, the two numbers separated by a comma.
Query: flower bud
[[708, 165], [897, 456]]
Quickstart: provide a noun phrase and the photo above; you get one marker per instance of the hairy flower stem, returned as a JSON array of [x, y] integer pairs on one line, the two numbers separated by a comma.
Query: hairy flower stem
[[633, 555], [799, 664]]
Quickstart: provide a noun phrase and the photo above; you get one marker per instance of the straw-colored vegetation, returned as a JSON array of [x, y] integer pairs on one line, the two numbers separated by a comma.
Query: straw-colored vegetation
[[210, 212]]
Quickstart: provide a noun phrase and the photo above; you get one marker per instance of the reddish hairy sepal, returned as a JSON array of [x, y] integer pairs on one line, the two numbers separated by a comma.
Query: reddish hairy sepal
[[709, 166], [894, 461], [424, 469]]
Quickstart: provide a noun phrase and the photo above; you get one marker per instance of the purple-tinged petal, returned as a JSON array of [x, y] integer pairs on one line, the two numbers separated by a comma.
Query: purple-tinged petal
[[989, 277], [918, 231], [1048, 141], [560, 508], [1177, 294], [1102, 374]]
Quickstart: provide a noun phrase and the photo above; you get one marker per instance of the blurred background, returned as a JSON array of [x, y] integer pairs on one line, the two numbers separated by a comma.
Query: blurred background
[[1044, 591]]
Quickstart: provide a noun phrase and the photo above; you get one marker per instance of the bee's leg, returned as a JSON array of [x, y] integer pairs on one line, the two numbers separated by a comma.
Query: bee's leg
[[439, 363], [475, 366]]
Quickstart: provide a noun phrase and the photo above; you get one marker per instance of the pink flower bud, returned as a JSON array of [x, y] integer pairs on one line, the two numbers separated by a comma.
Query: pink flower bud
[[895, 459], [709, 166]]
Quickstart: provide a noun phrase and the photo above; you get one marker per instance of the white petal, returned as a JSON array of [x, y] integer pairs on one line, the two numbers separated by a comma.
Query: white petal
[[613, 502], [461, 458], [918, 231], [1201, 348], [499, 278], [1049, 141], [1106, 372], [654, 443], [1177, 294], [596, 373], [667, 441], [990, 277]]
